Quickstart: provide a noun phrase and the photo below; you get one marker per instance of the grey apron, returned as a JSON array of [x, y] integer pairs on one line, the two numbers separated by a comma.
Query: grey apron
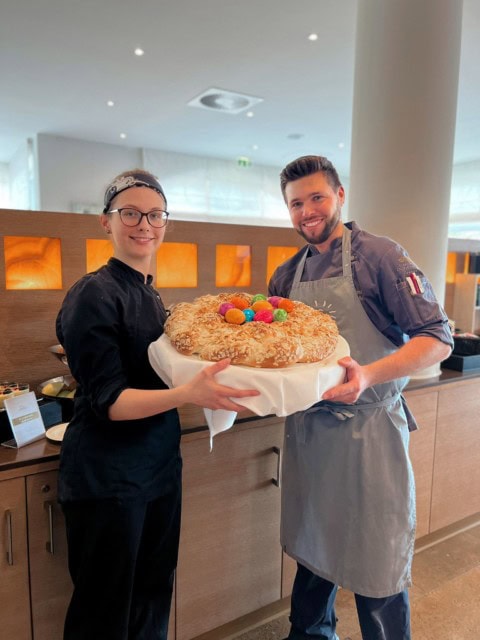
[[348, 497]]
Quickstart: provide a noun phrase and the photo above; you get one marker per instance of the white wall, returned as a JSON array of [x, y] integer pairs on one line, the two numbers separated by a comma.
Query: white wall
[[465, 201], [72, 176], [21, 177], [72, 172], [4, 185]]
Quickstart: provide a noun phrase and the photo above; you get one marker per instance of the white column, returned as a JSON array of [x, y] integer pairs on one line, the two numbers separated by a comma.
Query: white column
[[404, 110]]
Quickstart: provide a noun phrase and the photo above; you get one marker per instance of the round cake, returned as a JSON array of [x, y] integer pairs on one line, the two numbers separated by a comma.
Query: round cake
[[251, 330]]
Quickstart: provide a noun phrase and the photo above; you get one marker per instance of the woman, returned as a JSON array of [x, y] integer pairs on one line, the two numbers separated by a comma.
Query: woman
[[120, 466]]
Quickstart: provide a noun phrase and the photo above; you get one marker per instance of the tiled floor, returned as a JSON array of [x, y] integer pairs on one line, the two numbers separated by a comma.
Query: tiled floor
[[445, 596]]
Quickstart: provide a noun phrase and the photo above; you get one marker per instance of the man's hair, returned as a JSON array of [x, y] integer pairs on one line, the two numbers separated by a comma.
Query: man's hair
[[306, 166]]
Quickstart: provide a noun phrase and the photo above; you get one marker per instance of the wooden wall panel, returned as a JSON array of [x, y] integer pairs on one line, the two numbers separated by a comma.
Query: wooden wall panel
[[27, 317]]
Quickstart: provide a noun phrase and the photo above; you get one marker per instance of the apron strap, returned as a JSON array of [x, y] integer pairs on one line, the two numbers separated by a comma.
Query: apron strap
[[339, 411], [338, 408], [347, 251], [346, 258]]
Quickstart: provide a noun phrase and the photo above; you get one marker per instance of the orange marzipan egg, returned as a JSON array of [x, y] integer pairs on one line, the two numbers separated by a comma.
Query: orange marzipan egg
[[261, 305], [286, 304], [239, 302], [235, 316]]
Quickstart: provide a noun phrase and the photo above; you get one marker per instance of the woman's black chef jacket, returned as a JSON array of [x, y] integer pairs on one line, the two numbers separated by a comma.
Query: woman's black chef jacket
[[106, 322]]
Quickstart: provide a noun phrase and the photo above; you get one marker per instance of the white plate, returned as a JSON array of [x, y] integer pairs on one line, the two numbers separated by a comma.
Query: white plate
[[55, 434]]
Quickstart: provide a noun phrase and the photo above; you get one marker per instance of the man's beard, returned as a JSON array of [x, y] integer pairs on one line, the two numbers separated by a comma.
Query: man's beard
[[326, 232]]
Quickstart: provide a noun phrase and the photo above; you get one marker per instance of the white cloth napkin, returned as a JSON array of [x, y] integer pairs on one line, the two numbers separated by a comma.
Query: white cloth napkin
[[282, 391]]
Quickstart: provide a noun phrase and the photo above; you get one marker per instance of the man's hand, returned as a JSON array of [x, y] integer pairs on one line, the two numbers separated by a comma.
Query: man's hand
[[356, 381], [418, 353]]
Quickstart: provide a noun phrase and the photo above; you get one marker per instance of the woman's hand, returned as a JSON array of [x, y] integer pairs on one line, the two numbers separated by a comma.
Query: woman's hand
[[204, 391]]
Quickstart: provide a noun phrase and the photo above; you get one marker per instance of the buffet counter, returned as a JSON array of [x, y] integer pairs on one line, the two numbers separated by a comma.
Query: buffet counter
[[193, 421], [231, 512]]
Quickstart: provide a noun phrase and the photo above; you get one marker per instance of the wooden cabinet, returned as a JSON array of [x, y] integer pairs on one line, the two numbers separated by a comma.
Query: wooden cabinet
[[230, 563], [289, 570], [422, 446], [14, 590], [35, 586], [456, 476], [50, 584], [230, 555], [466, 302]]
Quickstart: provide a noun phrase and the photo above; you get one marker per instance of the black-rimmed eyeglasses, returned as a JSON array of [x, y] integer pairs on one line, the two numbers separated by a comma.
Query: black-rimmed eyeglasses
[[132, 217]]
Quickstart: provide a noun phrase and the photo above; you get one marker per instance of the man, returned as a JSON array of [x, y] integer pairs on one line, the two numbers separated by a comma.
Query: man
[[348, 500]]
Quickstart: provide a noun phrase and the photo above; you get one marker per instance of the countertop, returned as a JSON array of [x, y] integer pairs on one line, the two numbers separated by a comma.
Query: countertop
[[193, 421]]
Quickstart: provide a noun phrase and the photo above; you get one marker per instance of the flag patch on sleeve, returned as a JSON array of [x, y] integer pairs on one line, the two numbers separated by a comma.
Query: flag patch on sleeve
[[415, 284]]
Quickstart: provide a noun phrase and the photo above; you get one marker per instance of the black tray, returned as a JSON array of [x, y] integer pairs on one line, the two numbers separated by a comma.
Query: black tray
[[462, 363], [466, 346]]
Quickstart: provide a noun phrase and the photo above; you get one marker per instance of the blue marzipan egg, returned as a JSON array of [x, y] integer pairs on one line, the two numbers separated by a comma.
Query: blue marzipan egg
[[248, 313]]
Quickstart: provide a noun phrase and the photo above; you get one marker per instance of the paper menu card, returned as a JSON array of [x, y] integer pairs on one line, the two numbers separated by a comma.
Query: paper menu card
[[25, 418]]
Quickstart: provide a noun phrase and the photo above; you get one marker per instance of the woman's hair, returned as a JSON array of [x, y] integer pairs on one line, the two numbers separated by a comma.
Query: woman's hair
[[306, 166], [131, 178]]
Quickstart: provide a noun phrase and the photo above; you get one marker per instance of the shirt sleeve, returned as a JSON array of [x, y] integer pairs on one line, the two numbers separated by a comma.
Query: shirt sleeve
[[409, 298], [90, 330]]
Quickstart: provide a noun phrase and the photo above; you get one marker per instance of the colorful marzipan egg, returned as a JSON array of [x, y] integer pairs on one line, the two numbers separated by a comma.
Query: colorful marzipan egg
[[264, 315], [224, 307], [258, 305], [280, 315], [235, 316], [258, 296], [249, 314], [274, 300], [239, 302], [286, 304]]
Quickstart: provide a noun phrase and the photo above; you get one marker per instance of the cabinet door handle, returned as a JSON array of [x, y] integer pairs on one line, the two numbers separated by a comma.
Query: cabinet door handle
[[8, 516], [277, 481], [50, 544]]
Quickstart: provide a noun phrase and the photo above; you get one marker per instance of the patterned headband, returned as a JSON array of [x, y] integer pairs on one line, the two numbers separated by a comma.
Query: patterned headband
[[132, 180]]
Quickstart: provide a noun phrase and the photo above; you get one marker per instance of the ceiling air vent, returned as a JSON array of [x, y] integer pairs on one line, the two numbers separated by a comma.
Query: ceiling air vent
[[222, 100]]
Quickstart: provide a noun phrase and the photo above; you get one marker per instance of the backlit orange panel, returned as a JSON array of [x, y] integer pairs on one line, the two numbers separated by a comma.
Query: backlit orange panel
[[32, 263], [99, 253], [277, 255], [233, 265], [177, 265], [451, 266]]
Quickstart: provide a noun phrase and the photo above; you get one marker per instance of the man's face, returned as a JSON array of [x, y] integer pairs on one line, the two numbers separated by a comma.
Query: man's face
[[315, 208]]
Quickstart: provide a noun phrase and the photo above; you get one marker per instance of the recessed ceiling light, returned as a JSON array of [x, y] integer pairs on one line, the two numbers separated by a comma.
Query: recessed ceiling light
[[295, 136], [123, 136], [313, 37], [110, 103], [341, 145], [222, 100], [249, 114], [139, 52], [255, 147]]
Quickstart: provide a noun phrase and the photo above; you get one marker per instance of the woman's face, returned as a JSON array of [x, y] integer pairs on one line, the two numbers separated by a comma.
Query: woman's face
[[135, 245]]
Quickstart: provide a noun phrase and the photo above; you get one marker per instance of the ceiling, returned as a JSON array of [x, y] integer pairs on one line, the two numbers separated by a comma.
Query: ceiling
[[62, 60]]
